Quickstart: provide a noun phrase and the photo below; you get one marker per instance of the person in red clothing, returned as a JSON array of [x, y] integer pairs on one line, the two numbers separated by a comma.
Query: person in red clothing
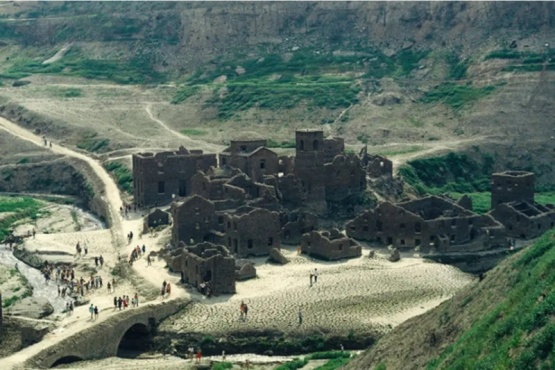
[[199, 355]]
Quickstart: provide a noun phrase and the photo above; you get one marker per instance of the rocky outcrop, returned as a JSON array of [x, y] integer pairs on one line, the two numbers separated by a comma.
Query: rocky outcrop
[[277, 257], [32, 307], [395, 255]]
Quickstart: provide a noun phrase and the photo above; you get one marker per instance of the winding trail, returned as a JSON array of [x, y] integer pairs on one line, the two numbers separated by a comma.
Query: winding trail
[[111, 196], [212, 148]]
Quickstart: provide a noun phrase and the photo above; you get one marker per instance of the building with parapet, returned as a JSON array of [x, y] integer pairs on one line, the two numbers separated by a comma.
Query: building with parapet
[[159, 178], [329, 245], [512, 202], [512, 186], [248, 153], [428, 222]]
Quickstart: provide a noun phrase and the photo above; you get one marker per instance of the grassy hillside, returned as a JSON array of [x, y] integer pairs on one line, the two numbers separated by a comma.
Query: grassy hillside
[[504, 321]]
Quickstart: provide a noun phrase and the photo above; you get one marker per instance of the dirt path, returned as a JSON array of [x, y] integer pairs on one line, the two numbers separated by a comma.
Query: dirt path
[[211, 148], [58, 55], [111, 195], [436, 148]]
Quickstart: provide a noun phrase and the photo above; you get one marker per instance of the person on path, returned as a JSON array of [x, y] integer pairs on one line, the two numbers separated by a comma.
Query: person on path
[[164, 288], [199, 355], [101, 260], [95, 312], [168, 289], [71, 308], [191, 352], [144, 249], [91, 310], [300, 316], [242, 310], [246, 310], [137, 299], [120, 303], [315, 276], [34, 232], [96, 261], [86, 250], [115, 303], [148, 260], [311, 276]]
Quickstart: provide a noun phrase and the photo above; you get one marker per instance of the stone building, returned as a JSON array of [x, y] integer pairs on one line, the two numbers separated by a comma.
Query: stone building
[[194, 220], [251, 231], [512, 186], [428, 222], [344, 177], [155, 219], [210, 264], [525, 220], [329, 245], [248, 153], [295, 224], [158, 178], [512, 203]]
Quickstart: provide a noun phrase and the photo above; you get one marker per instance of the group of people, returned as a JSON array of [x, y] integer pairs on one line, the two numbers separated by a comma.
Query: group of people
[[126, 209], [80, 249], [99, 261], [166, 289], [93, 310], [81, 286], [123, 302], [136, 254]]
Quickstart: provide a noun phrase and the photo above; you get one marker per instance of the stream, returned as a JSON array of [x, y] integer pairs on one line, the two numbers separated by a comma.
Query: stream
[[35, 277]]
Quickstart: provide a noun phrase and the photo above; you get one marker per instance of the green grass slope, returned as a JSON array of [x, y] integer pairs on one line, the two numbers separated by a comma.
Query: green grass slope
[[505, 321]]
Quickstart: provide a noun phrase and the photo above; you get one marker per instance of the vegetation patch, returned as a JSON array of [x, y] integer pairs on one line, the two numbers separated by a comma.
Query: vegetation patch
[[518, 333], [451, 173], [18, 208], [271, 143], [63, 92], [456, 96], [297, 363], [92, 143], [184, 93], [388, 152], [122, 174], [193, 132], [74, 63], [481, 201]]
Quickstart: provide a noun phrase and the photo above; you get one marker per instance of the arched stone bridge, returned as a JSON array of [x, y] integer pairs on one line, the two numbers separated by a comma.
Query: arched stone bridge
[[124, 329]]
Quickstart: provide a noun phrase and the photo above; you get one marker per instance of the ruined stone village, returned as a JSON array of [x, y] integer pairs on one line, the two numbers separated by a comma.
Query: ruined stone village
[[247, 201]]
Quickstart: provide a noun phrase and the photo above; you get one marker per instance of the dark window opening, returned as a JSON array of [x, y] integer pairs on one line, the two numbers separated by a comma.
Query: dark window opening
[[220, 220], [340, 247], [315, 144], [161, 187], [379, 225], [417, 242], [389, 240], [301, 145], [250, 244], [417, 227], [182, 188], [452, 238], [262, 163], [402, 241], [270, 241]]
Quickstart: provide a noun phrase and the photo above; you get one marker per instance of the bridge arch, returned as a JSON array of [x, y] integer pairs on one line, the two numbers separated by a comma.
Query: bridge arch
[[66, 360], [135, 339]]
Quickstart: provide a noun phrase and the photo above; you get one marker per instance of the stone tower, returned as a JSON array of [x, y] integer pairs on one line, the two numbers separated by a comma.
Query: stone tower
[[512, 186], [309, 164]]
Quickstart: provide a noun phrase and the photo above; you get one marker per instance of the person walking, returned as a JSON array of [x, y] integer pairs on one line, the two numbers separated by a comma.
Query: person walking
[[199, 355], [95, 312], [148, 260], [91, 311], [300, 316], [115, 303], [311, 276], [315, 275]]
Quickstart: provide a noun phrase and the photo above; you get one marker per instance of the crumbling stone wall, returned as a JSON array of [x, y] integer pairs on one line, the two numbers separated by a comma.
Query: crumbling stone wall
[[250, 155], [295, 224], [430, 221], [155, 219], [252, 232], [333, 146], [329, 245], [525, 220], [208, 263], [344, 177], [157, 178], [193, 220], [512, 186]]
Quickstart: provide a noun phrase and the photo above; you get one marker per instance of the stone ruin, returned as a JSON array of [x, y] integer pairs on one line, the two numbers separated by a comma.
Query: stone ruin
[[156, 218], [329, 245], [158, 178], [512, 203], [206, 264], [432, 221]]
